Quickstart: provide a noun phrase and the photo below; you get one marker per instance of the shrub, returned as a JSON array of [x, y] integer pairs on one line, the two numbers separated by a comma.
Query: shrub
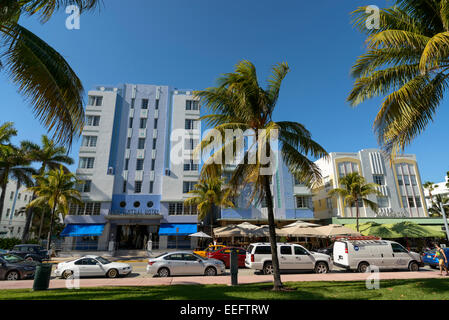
[[9, 243]]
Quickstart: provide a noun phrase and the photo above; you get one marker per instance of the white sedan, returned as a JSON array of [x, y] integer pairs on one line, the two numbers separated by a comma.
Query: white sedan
[[91, 266]]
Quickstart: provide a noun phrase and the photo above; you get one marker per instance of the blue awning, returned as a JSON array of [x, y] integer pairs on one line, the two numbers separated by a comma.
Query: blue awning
[[82, 230], [177, 229]]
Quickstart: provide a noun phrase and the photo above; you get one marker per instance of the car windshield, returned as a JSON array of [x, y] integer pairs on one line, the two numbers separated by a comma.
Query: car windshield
[[11, 258], [103, 260]]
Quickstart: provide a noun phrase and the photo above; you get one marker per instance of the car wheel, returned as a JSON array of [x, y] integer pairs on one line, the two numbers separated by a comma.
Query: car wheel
[[163, 272], [363, 267], [210, 271], [321, 267], [67, 274], [413, 266], [12, 276], [29, 259], [112, 273], [268, 268]]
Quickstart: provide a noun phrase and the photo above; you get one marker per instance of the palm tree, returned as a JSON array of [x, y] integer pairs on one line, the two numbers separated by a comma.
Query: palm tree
[[42, 75], [407, 61], [14, 164], [57, 189], [207, 195], [435, 210], [7, 131], [240, 103], [430, 186], [355, 190], [50, 156]]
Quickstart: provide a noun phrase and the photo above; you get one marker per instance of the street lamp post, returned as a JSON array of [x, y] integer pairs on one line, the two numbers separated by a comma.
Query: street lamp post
[[444, 219]]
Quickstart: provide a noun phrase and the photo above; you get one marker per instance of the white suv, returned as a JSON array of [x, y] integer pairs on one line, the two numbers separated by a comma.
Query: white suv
[[291, 257]]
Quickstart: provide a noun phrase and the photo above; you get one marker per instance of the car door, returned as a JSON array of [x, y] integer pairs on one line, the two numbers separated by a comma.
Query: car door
[[286, 258], [94, 268], [3, 268], [192, 264], [400, 257], [303, 259], [80, 266], [175, 263], [225, 256], [241, 257]]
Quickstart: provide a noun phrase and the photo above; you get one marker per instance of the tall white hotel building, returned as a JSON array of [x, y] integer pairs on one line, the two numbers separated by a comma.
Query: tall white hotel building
[[133, 190]]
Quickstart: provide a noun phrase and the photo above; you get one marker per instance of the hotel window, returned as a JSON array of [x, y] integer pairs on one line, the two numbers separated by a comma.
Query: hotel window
[[413, 180], [139, 164], [190, 144], [133, 102], [141, 143], [411, 202], [155, 123], [329, 203], [130, 123], [128, 143], [379, 179], [153, 163], [188, 186], [25, 198], [302, 202], [406, 180], [359, 203], [7, 212], [189, 124], [95, 101], [144, 103], [11, 195], [93, 121], [143, 123], [86, 163], [156, 106], [151, 187], [192, 105], [154, 144], [418, 202], [344, 168], [138, 187], [400, 182], [383, 202], [85, 187], [89, 141], [18, 196], [126, 164], [190, 166]]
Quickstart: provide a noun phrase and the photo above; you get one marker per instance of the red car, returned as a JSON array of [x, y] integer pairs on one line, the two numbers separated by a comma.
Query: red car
[[225, 256]]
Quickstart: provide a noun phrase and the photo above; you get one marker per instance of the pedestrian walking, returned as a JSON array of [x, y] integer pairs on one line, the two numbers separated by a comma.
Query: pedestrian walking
[[442, 259], [150, 247]]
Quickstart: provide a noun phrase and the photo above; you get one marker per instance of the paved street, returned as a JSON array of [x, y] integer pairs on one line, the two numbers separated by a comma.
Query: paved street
[[140, 278]]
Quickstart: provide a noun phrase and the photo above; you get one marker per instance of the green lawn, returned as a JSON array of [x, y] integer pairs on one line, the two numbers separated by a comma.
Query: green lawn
[[420, 289]]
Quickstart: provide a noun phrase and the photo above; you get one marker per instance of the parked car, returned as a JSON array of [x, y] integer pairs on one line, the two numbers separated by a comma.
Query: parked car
[[209, 249], [360, 254], [224, 255], [184, 263], [30, 252], [13, 267], [291, 257], [3, 251], [90, 266], [429, 258]]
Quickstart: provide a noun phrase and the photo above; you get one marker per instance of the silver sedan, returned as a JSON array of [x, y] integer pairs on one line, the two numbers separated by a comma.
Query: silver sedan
[[184, 263]]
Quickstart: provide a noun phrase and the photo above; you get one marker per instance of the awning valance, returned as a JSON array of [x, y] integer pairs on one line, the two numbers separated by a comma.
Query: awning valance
[[177, 229], [82, 230]]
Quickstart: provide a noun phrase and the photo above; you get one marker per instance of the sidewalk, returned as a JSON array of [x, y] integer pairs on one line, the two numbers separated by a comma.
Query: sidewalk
[[223, 280]]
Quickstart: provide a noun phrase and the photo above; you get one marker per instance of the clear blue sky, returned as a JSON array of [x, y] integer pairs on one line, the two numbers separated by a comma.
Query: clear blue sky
[[188, 44]]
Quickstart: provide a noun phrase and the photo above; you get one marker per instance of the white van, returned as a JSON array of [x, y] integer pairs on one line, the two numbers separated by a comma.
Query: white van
[[360, 254], [290, 256]]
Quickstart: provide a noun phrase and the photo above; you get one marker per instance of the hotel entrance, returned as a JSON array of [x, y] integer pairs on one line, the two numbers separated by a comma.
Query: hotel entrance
[[135, 237]]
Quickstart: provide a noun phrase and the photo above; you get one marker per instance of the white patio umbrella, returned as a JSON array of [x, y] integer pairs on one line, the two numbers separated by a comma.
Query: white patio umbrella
[[199, 235], [301, 224], [333, 230], [299, 231]]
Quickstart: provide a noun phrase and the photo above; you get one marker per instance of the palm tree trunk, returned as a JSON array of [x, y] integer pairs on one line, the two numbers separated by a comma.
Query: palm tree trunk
[[272, 232], [51, 225], [41, 226], [357, 213], [2, 200]]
